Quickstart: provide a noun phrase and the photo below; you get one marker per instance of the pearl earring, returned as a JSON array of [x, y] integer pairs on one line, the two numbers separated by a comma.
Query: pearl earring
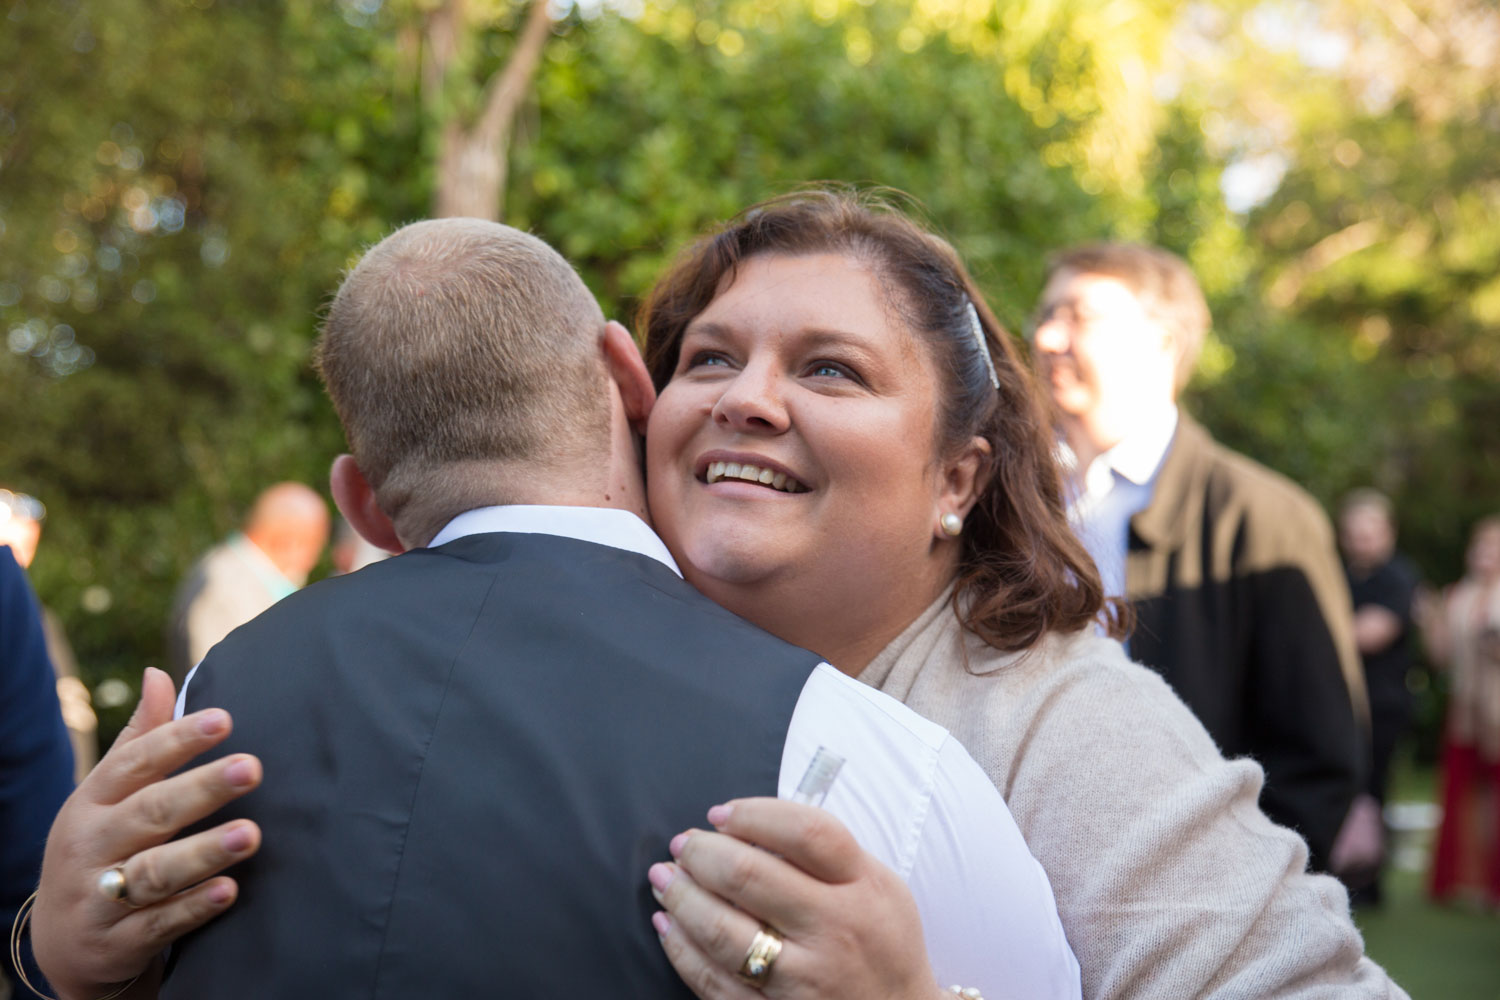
[[952, 524]]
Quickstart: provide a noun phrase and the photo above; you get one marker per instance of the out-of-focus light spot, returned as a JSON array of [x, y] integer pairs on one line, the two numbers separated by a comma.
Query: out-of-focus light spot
[[1249, 182], [859, 46], [85, 296], [83, 41], [911, 38], [108, 258], [707, 32], [114, 692], [731, 43], [143, 220], [10, 293], [94, 209], [168, 150], [144, 291], [135, 199], [215, 251], [108, 153], [131, 158], [65, 241], [73, 265], [170, 214], [1347, 152], [122, 132], [63, 335], [22, 339], [52, 289]]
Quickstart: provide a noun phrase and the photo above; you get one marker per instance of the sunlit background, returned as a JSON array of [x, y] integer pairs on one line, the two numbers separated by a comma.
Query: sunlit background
[[182, 181]]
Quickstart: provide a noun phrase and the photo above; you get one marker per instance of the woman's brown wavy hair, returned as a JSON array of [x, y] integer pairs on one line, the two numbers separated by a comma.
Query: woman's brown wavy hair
[[1022, 572]]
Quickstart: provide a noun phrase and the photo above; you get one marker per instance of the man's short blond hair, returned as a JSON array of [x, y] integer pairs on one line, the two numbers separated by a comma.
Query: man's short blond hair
[[1160, 280], [460, 342]]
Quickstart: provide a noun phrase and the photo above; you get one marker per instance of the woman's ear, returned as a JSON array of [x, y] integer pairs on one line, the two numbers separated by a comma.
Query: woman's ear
[[627, 369], [355, 499], [963, 480]]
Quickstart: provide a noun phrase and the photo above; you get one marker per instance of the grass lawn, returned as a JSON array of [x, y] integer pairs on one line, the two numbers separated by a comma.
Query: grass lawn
[[1434, 952]]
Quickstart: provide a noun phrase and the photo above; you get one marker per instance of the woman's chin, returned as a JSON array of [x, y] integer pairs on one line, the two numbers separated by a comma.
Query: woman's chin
[[723, 573]]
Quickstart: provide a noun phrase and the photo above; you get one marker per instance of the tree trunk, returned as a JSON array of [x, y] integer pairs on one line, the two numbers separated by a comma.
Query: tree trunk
[[473, 157]]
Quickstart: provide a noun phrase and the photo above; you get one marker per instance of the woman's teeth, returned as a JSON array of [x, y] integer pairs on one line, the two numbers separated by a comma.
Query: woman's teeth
[[753, 474]]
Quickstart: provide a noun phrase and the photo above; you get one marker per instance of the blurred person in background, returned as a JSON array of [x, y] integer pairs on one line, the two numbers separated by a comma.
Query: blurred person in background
[[1239, 599], [36, 760], [268, 559], [21, 518], [1463, 636], [1383, 587], [349, 551]]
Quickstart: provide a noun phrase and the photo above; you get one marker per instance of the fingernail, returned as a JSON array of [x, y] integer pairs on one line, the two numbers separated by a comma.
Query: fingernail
[[660, 876], [719, 815], [212, 722], [236, 840], [240, 773], [219, 893], [662, 923], [678, 842]]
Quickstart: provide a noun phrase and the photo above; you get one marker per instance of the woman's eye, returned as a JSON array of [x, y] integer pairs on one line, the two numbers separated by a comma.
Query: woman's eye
[[708, 359], [828, 369]]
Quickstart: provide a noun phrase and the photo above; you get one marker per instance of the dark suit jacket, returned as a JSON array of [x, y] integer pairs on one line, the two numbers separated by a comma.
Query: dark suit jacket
[[1241, 605], [472, 755]]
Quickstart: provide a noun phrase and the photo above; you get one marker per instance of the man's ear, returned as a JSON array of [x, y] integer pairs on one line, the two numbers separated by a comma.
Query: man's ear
[[355, 500], [627, 369]]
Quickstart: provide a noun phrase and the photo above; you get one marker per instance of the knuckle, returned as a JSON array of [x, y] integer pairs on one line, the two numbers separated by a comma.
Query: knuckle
[[147, 879], [155, 811], [740, 875], [705, 981], [133, 760], [159, 925], [719, 937]]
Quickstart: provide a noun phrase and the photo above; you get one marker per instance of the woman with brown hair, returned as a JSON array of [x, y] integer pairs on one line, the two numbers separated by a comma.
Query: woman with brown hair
[[848, 451]]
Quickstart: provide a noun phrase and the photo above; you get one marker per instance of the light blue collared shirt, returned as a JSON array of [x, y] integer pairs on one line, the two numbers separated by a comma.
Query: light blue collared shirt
[[1115, 487]]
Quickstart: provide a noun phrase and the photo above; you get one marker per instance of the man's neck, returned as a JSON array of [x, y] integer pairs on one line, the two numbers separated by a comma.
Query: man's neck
[[1088, 439], [612, 484]]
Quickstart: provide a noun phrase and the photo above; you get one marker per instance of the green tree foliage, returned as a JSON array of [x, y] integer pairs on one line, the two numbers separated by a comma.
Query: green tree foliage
[[182, 182], [1366, 348]]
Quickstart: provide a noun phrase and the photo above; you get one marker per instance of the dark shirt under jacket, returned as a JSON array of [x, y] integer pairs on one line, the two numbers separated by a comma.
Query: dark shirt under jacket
[[1241, 605], [1392, 586], [36, 758], [472, 755]]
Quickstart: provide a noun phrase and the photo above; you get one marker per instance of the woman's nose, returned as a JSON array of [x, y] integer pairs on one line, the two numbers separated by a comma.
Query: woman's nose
[[752, 403]]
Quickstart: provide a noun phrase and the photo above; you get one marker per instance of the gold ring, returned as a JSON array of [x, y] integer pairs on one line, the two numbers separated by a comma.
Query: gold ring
[[112, 885], [765, 947]]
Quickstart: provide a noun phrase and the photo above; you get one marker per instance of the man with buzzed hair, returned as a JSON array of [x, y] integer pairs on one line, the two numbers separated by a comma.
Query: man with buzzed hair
[[1239, 596], [474, 750], [268, 559]]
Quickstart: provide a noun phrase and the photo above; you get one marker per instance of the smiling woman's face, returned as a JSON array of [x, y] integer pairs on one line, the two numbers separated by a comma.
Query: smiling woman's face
[[790, 460]]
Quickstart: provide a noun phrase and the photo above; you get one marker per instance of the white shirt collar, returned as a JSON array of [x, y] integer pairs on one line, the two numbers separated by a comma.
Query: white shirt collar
[[619, 529], [1140, 454]]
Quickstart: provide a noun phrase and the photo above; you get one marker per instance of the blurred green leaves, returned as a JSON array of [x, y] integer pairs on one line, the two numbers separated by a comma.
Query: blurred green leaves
[[183, 181]]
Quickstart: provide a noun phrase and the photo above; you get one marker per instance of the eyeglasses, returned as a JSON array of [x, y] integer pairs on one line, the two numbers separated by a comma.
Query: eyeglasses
[[21, 507]]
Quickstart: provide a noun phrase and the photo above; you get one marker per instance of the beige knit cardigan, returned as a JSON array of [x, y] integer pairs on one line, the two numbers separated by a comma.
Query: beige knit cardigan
[[1169, 879]]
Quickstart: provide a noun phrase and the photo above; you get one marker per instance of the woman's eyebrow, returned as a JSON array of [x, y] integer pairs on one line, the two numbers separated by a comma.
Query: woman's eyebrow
[[707, 329]]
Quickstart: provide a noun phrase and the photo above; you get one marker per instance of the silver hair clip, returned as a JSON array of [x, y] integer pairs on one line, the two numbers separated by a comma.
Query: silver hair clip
[[984, 348]]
